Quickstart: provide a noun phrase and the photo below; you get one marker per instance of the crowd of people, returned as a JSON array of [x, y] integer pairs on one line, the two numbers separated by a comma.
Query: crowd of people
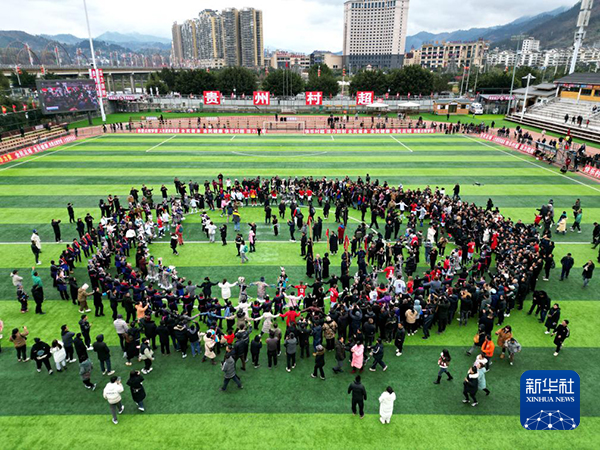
[[377, 297]]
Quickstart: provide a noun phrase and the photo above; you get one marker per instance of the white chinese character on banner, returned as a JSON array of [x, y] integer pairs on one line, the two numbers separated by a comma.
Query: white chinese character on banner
[[261, 98], [565, 387], [364, 98], [314, 98], [212, 98]]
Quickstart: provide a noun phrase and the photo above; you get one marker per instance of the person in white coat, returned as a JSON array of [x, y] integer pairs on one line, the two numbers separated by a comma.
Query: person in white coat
[[112, 394], [35, 238], [59, 354], [226, 289], [386, 405]]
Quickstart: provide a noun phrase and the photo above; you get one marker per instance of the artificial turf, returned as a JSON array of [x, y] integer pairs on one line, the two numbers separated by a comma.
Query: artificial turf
[[277, 409]]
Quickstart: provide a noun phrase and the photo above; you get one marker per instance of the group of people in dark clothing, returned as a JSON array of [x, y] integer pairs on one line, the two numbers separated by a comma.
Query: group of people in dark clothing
[[378, 297]]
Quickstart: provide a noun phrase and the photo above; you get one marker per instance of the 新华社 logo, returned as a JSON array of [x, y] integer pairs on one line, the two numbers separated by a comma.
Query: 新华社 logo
[[550, 400]]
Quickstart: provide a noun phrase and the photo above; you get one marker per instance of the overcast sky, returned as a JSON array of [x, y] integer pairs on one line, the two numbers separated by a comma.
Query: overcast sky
[[302, 25]]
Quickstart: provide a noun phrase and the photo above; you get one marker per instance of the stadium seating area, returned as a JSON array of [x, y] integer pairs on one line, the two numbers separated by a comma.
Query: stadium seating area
[[551, 117], [16, 142]]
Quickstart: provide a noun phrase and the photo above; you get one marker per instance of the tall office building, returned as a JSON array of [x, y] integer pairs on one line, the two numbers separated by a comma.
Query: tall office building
[[251, 37], [374, 33], [176, 44]]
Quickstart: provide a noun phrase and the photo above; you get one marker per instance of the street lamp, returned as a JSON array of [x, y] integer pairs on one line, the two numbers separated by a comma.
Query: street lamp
[[529, 77], [517, 38], [97, 75]]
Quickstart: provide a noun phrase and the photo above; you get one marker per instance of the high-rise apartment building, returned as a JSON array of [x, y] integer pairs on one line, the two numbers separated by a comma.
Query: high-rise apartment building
[[251, 37], [215, 39], [374, 33], [231, 33], [209, 35], [176, 44], [188, 40]]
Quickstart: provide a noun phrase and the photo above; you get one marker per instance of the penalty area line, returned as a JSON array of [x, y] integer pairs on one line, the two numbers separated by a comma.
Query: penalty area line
[[402, 144], [161, 143]]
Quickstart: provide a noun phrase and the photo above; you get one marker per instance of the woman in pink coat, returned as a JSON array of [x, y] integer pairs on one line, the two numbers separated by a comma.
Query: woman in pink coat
[[358, 351]]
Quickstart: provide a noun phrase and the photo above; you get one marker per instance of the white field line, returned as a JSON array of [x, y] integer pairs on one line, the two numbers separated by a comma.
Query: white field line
[[402, 144], [50, 153], [161, 143]]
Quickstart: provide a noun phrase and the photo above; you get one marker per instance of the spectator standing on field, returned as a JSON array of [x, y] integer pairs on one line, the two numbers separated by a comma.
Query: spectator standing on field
[[112, 394], [359, 395], [386, 405]]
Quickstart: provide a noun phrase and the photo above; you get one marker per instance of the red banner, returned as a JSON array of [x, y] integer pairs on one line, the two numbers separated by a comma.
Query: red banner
[[212, 98], [508, 143], [314, 98], [100, 85], [261, 98], [370, 131], [365, 97], [592, 171], [28, 151], [197, 131]]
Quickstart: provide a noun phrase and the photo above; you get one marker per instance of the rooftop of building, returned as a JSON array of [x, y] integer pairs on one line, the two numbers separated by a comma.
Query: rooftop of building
[[580, 78]]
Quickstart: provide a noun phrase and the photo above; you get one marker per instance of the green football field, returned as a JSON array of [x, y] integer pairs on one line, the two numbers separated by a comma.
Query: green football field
[[276, 409]]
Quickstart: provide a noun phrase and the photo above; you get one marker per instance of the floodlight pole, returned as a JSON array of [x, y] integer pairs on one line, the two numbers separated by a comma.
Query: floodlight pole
[[529, 77], [96, 74], [518, 38]]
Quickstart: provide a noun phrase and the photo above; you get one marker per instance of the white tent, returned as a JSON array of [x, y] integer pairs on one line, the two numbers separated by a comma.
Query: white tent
[[408, 105], [377, 105]]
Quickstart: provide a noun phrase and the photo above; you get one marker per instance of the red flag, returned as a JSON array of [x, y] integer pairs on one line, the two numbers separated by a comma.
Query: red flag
[[327, 234], [346, 243], [33, 104], [318, 72], [4, 112], [14, 108], [24, 107]]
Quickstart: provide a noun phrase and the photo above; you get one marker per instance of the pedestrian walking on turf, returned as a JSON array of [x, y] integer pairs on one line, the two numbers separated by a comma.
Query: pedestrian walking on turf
[[567, 263], [377, 353], [470, 386], [40, 352], [85, 372], [399, 340], [19, 340], [588, 272], [359, 395], [386, 405], [112, 394], [513, 347], [481, 381], [136, 386], [228, 368], [443, 364], [291, 345], [560, 335], [103, 353], [56, 228], [319, 355], [358, 355], [37, 291], [174, 244], [146, 355], [340, 354], [59, 355]]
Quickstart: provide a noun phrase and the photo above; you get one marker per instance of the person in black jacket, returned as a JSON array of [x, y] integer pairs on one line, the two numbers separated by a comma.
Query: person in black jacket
[[340, 354], [567, 263], [80, 348], [400, 337], [103, 353], [378, 356], [40, 352], [562, 332], [138, 393], [163, 336], [255, 347], [319, 362], [470, 385], [552, 319], [359, 395]]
